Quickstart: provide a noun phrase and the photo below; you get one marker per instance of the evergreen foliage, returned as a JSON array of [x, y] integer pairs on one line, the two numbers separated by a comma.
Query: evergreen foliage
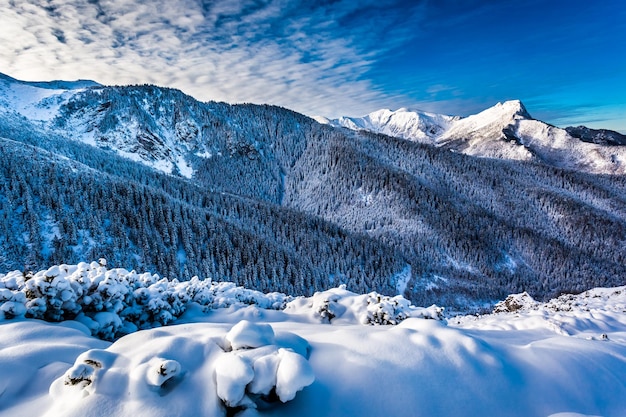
[[278, 202]]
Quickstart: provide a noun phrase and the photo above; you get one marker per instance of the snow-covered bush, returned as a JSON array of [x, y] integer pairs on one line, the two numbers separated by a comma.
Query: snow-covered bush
[[515, 302], [338, 305], [434, 312], [113, 302], [386, 310], [230, 372], [325, 306], [162, 370]]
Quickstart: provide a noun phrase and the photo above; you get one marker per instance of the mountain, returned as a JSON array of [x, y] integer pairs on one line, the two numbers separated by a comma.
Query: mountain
[[49, 85], [150, 178], [505, 131], [403, 123], [598, 136]]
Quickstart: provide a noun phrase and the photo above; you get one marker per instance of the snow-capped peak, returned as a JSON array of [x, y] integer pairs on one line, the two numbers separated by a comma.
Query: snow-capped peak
[[505, 130], [429, 127], [494, 120], [512, 107], [322, 120], [404, 123]]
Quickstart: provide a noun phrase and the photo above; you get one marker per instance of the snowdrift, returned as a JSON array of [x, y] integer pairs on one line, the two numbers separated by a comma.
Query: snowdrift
[[317, 356]]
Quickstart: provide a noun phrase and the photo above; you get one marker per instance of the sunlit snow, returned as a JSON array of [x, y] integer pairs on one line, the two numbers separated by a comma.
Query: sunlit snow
[[485, 135], [239, 352]]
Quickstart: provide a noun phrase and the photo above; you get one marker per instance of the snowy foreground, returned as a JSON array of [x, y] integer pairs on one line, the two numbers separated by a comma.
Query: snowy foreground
[[231, 351]]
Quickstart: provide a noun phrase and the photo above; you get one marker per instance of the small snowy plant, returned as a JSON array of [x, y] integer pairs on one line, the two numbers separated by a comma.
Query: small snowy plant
[[382, 309], [325, 306], [12, 304], [162, 370]]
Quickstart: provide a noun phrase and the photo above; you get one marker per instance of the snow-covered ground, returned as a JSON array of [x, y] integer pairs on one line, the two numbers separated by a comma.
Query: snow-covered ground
[[234, 351]]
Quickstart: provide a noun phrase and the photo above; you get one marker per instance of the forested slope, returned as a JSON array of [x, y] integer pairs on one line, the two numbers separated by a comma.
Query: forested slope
[[150, 178]]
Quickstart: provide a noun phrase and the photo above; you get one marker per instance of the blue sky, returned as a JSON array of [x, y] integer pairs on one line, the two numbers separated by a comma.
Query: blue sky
[[566, 60]]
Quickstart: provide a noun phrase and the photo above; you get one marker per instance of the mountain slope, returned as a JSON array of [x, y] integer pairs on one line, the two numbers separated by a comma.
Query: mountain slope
[[274, 200], [505, 131]]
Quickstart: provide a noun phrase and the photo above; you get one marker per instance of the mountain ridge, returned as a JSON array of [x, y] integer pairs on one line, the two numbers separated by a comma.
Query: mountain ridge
[[506, 130], [150, 178], [54, 84]]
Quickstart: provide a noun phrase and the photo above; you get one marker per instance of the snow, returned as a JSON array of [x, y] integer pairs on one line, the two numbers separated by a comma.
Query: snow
[[553, 144], [293, 374], [34, 103], [235, 351], [509, 110], [205, 155], [322, 120], [404, 123], [247, 335], [232, 375], [402, 279], [483, 135], [183, 167]]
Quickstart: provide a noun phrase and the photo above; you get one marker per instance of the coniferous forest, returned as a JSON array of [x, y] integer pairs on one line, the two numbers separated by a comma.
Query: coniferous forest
[[272, 200]]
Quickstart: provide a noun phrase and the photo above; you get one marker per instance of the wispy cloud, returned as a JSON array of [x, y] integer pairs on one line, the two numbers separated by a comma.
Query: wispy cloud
[[310, 56], [334, 57]]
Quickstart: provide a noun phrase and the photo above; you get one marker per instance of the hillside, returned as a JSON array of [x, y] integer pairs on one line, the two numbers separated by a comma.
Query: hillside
[[150, 178]]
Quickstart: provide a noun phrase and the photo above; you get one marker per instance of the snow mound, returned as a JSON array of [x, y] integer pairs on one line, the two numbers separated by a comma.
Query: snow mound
[[293, 374], [150, 369], [161, 370], [510, 364], [247, 335]]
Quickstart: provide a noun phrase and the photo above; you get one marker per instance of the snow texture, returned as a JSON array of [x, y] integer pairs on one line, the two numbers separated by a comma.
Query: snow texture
[[566, 357], [155, 370], [247, 335]]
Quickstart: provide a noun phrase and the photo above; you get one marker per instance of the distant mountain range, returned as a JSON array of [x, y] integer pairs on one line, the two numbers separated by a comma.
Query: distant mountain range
[[152, 179], [505, 131]]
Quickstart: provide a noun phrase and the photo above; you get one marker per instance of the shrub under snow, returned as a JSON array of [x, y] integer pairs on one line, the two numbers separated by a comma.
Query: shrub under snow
[[247, 368], [115, 302], [339, 304]]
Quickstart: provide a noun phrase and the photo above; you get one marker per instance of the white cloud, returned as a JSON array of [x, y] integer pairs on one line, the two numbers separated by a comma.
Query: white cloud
[[235, 51]]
